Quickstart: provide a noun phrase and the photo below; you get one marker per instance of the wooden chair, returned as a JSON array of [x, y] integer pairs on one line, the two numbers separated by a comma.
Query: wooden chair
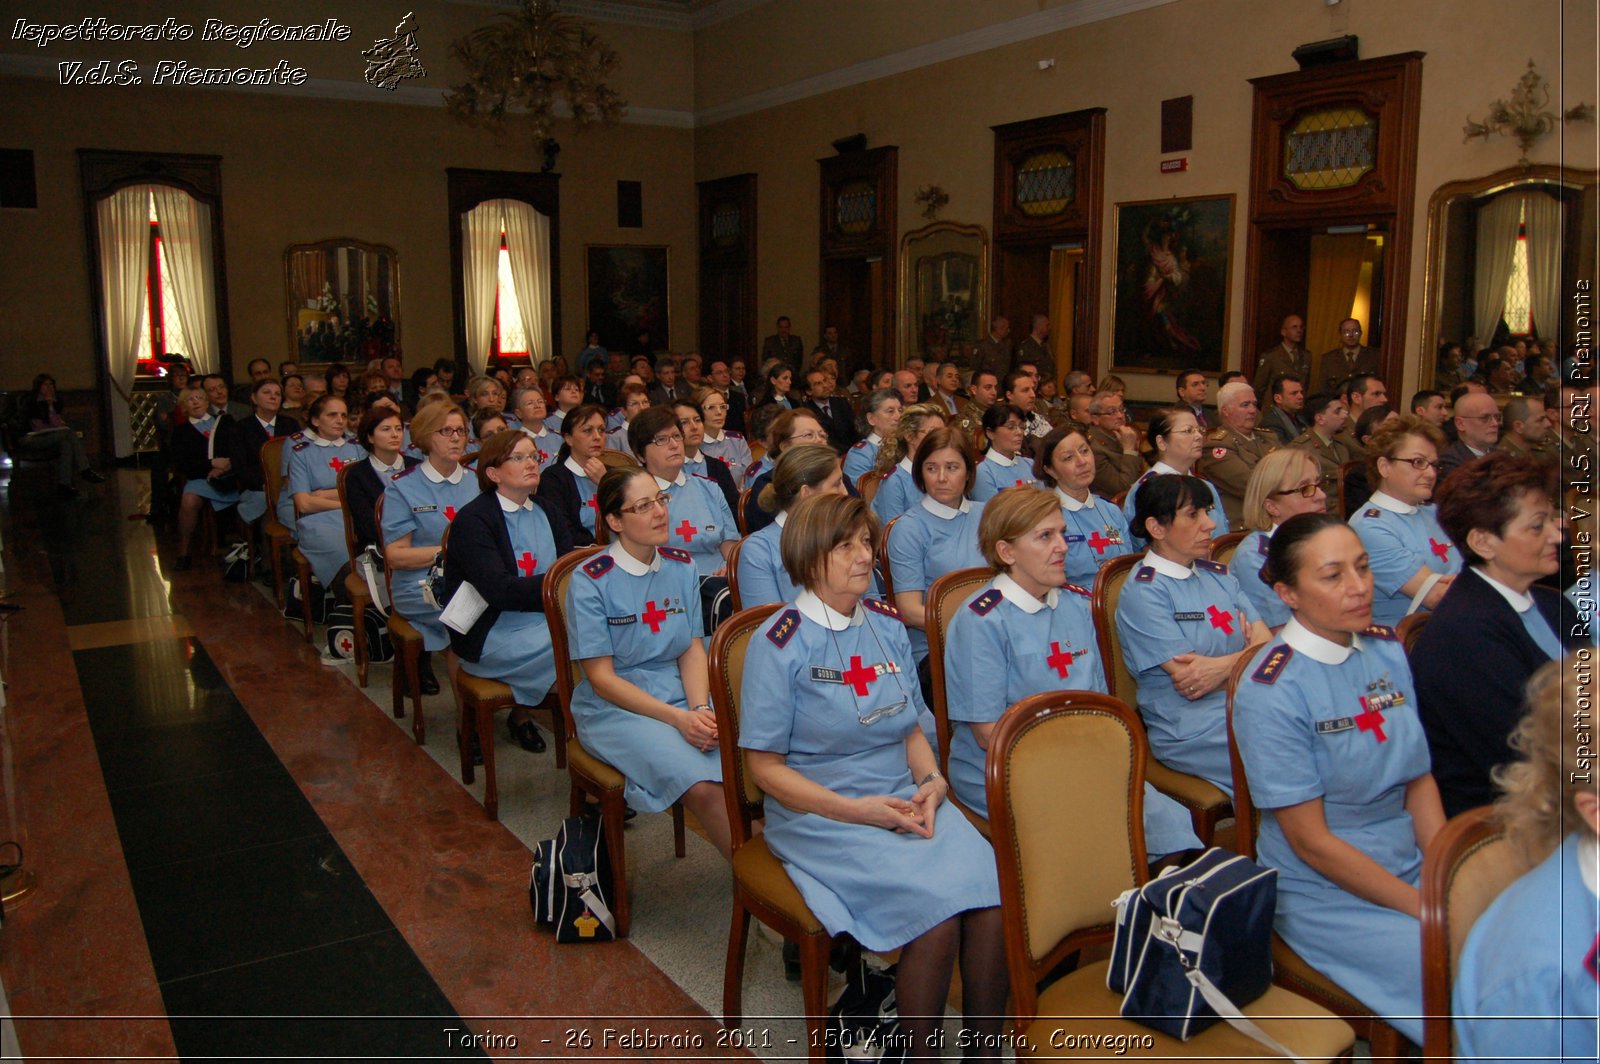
[[868, 485], [278, 535], [1224, 546], [884, 571], [1118, 499], [761, 886], [1066, 810], [1289, 969], [739, 515], [1410, 629], [733, 574], [758, 451], [1467, 866], [354, 586], [1206, 802], [617, 460], [407, 650], [1344, 482], [590, 775], [943, 599]]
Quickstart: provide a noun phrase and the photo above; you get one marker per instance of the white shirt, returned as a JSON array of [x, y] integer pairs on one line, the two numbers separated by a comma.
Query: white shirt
[[1315, 647], [1167, 567], [1012, 592], [1390, 503], [631, 565], [1069, 503], [940, 510], [813, 607]]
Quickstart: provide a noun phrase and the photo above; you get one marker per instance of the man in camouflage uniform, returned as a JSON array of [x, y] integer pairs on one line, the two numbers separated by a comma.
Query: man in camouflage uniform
[[982, 391], [1326, 440], [1527, 429], [1233, 449]]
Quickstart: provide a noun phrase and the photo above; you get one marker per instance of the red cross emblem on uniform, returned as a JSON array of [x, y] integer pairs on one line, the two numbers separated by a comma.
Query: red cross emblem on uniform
[[527, 563], [652, 616], [1020, 482], [859, 676], [686, 530], [449, 513], [336, 464], [1059, 660], [1221, 619], [1099, 542], [1370, 719], [1441, 549], [594, 504]]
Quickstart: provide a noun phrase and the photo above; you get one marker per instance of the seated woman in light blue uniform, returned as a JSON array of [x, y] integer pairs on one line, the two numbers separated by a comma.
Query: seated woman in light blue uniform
[[829, 722], [568, 397], [1183, 622], [418, 506], [1413, 561], [881, 409], [529, 404], [897, 489], [635, 400], [633, 617], [503, 544], [1285, 483], [701, 522], [1004, 465], [314, 464], [485, 425], [1327, 727], [1095, 530], [1178, 440], [1028, 632], [485, 395], [1525, 986], [938, 535], [721, 442], [804, 471]]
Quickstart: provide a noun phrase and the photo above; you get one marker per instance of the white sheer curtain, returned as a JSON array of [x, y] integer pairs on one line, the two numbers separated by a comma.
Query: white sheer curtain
[[1546, 219], [1497, 241], [123, 219], [480, 263], [186, 239], [528, 247]]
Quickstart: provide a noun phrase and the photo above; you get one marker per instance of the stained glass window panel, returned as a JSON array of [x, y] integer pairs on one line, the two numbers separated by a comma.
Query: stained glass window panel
[[1330, 149]]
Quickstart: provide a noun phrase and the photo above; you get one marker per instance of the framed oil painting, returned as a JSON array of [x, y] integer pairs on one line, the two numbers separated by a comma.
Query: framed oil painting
[[628, 294], [1171, 296]]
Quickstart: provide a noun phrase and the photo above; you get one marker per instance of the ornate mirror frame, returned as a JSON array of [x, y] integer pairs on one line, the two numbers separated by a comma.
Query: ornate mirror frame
[[368, 311], [925, 257]]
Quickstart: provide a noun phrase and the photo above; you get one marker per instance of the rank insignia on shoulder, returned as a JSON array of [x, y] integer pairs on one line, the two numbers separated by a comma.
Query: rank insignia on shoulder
[[302, 445], [1218, 434], [1374, 512], [985, 602], [1263, 545], [1210, 566], [1145, 574], [1077, 589], [675, 554], [859, 445], [733, 435], [1272, 666], [1380, 631], [408, 472], [1219, 452], [599, 566], [784, 628], [880, 606]]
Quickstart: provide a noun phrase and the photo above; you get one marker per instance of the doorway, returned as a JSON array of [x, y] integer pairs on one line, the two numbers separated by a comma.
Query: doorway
[[852, 300]]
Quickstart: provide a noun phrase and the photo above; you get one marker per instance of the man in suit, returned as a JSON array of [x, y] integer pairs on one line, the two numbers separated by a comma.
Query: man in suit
[[1527, 429], [1234, 447], [1115, 443], [720, 376], [784, 345], [259, 369], [947, 381], [906, 383], [1477, 419], [1349, 358], [215, 386], [993, 352], [833, 411], [837, 351], [402, 390], [1282, 419], [1191, 388], [1035, 348], [595, 388], [1289, 355]]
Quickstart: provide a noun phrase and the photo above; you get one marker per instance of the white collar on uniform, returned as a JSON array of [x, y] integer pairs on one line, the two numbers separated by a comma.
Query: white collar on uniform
[[510, 507], [631, 565], [905, 465], [813, 607], [1314, 646], [1013, 593], [1166, 566], [783, 515], [1522, 602], [1475, 452], [380, 469], [999, 459], [874, 439], [268, 425], [198, 421], [1162, 468], [541, 434], [318, 439], [713, 439], [1390, 503], [1069, 503], [572, 464], [939, 509], [680, 480], [438, 477]]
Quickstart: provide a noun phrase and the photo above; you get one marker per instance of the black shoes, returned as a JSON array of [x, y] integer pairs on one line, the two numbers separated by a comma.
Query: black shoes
[[527, 735], [427, 683]]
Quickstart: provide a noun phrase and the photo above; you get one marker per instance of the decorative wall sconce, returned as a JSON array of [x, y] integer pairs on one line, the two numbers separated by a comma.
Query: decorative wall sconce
[[1524, 116], [933, 198]]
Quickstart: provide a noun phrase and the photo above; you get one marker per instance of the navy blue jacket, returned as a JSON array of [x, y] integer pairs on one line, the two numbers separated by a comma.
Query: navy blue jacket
[[480, 554]]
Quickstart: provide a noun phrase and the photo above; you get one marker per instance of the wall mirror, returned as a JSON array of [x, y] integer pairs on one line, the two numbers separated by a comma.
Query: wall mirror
[[1505, 254], [944, 291], [343, 301]]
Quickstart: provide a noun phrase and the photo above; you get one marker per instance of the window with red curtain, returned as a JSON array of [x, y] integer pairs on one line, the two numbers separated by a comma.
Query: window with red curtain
[[510, 342], [161, 331]]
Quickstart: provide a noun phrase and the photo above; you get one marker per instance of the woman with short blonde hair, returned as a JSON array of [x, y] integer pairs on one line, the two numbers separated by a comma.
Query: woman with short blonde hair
[[897, 491]]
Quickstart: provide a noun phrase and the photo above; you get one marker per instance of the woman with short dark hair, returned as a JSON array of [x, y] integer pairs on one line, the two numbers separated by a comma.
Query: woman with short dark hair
[[1095, 530], [382, 433], [1004, 465], [1177, 440], [571, 484]]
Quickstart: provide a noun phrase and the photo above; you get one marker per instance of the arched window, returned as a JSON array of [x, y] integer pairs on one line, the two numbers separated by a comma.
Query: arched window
[[160, 327]]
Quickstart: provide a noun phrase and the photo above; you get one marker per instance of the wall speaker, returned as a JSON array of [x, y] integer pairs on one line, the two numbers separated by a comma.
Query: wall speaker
[[630, 205], [17, 187], [1346, 49]]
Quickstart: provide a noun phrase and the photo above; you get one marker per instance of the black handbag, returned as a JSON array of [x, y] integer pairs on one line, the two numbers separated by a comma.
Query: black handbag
[[572, 882], [342, 633], [321, 601], [864, 1023]]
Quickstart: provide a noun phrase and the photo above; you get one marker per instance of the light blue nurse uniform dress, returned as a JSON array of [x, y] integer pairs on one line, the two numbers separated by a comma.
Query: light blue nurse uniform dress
[[1162, 469], [762, 577], [643, 618], [861, 458], [1532, 955], [1095, 531], [205, 487], [933, 539], [753, 473], [1318, 720], [587, 490], [698, 519], [897, 493], [553, 420], [1167, 609], [285, 510], [314, 464], [997, 472], [422, 502], [1400, 539], [1246, 566], [517, 650], [1000, 651], [837, 697], [732, 449], [546, 444], [617, 440]]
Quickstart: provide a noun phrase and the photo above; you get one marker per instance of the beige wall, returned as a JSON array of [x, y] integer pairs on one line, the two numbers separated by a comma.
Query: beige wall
[[940, 115]]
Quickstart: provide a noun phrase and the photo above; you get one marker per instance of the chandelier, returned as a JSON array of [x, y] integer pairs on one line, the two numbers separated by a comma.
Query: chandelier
[[1524, 116], [536, 64]]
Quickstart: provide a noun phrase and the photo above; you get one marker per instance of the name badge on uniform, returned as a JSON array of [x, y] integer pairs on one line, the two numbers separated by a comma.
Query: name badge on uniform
[[1074, 539], [822, 675], [424, 509], [620, 621], [1331, 727], [1195, 616]]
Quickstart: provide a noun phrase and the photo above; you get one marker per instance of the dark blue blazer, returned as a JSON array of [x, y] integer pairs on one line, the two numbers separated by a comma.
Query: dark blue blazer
[[362, 489], [558, 491], [1471, 664], [480, 554]]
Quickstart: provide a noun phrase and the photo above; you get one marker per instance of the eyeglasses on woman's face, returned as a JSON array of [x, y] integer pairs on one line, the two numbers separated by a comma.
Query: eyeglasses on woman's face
[[808, 436], [1416, 462], [517, 457], [453, 433], [666, 439], [1305, 491], [644, 506]]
